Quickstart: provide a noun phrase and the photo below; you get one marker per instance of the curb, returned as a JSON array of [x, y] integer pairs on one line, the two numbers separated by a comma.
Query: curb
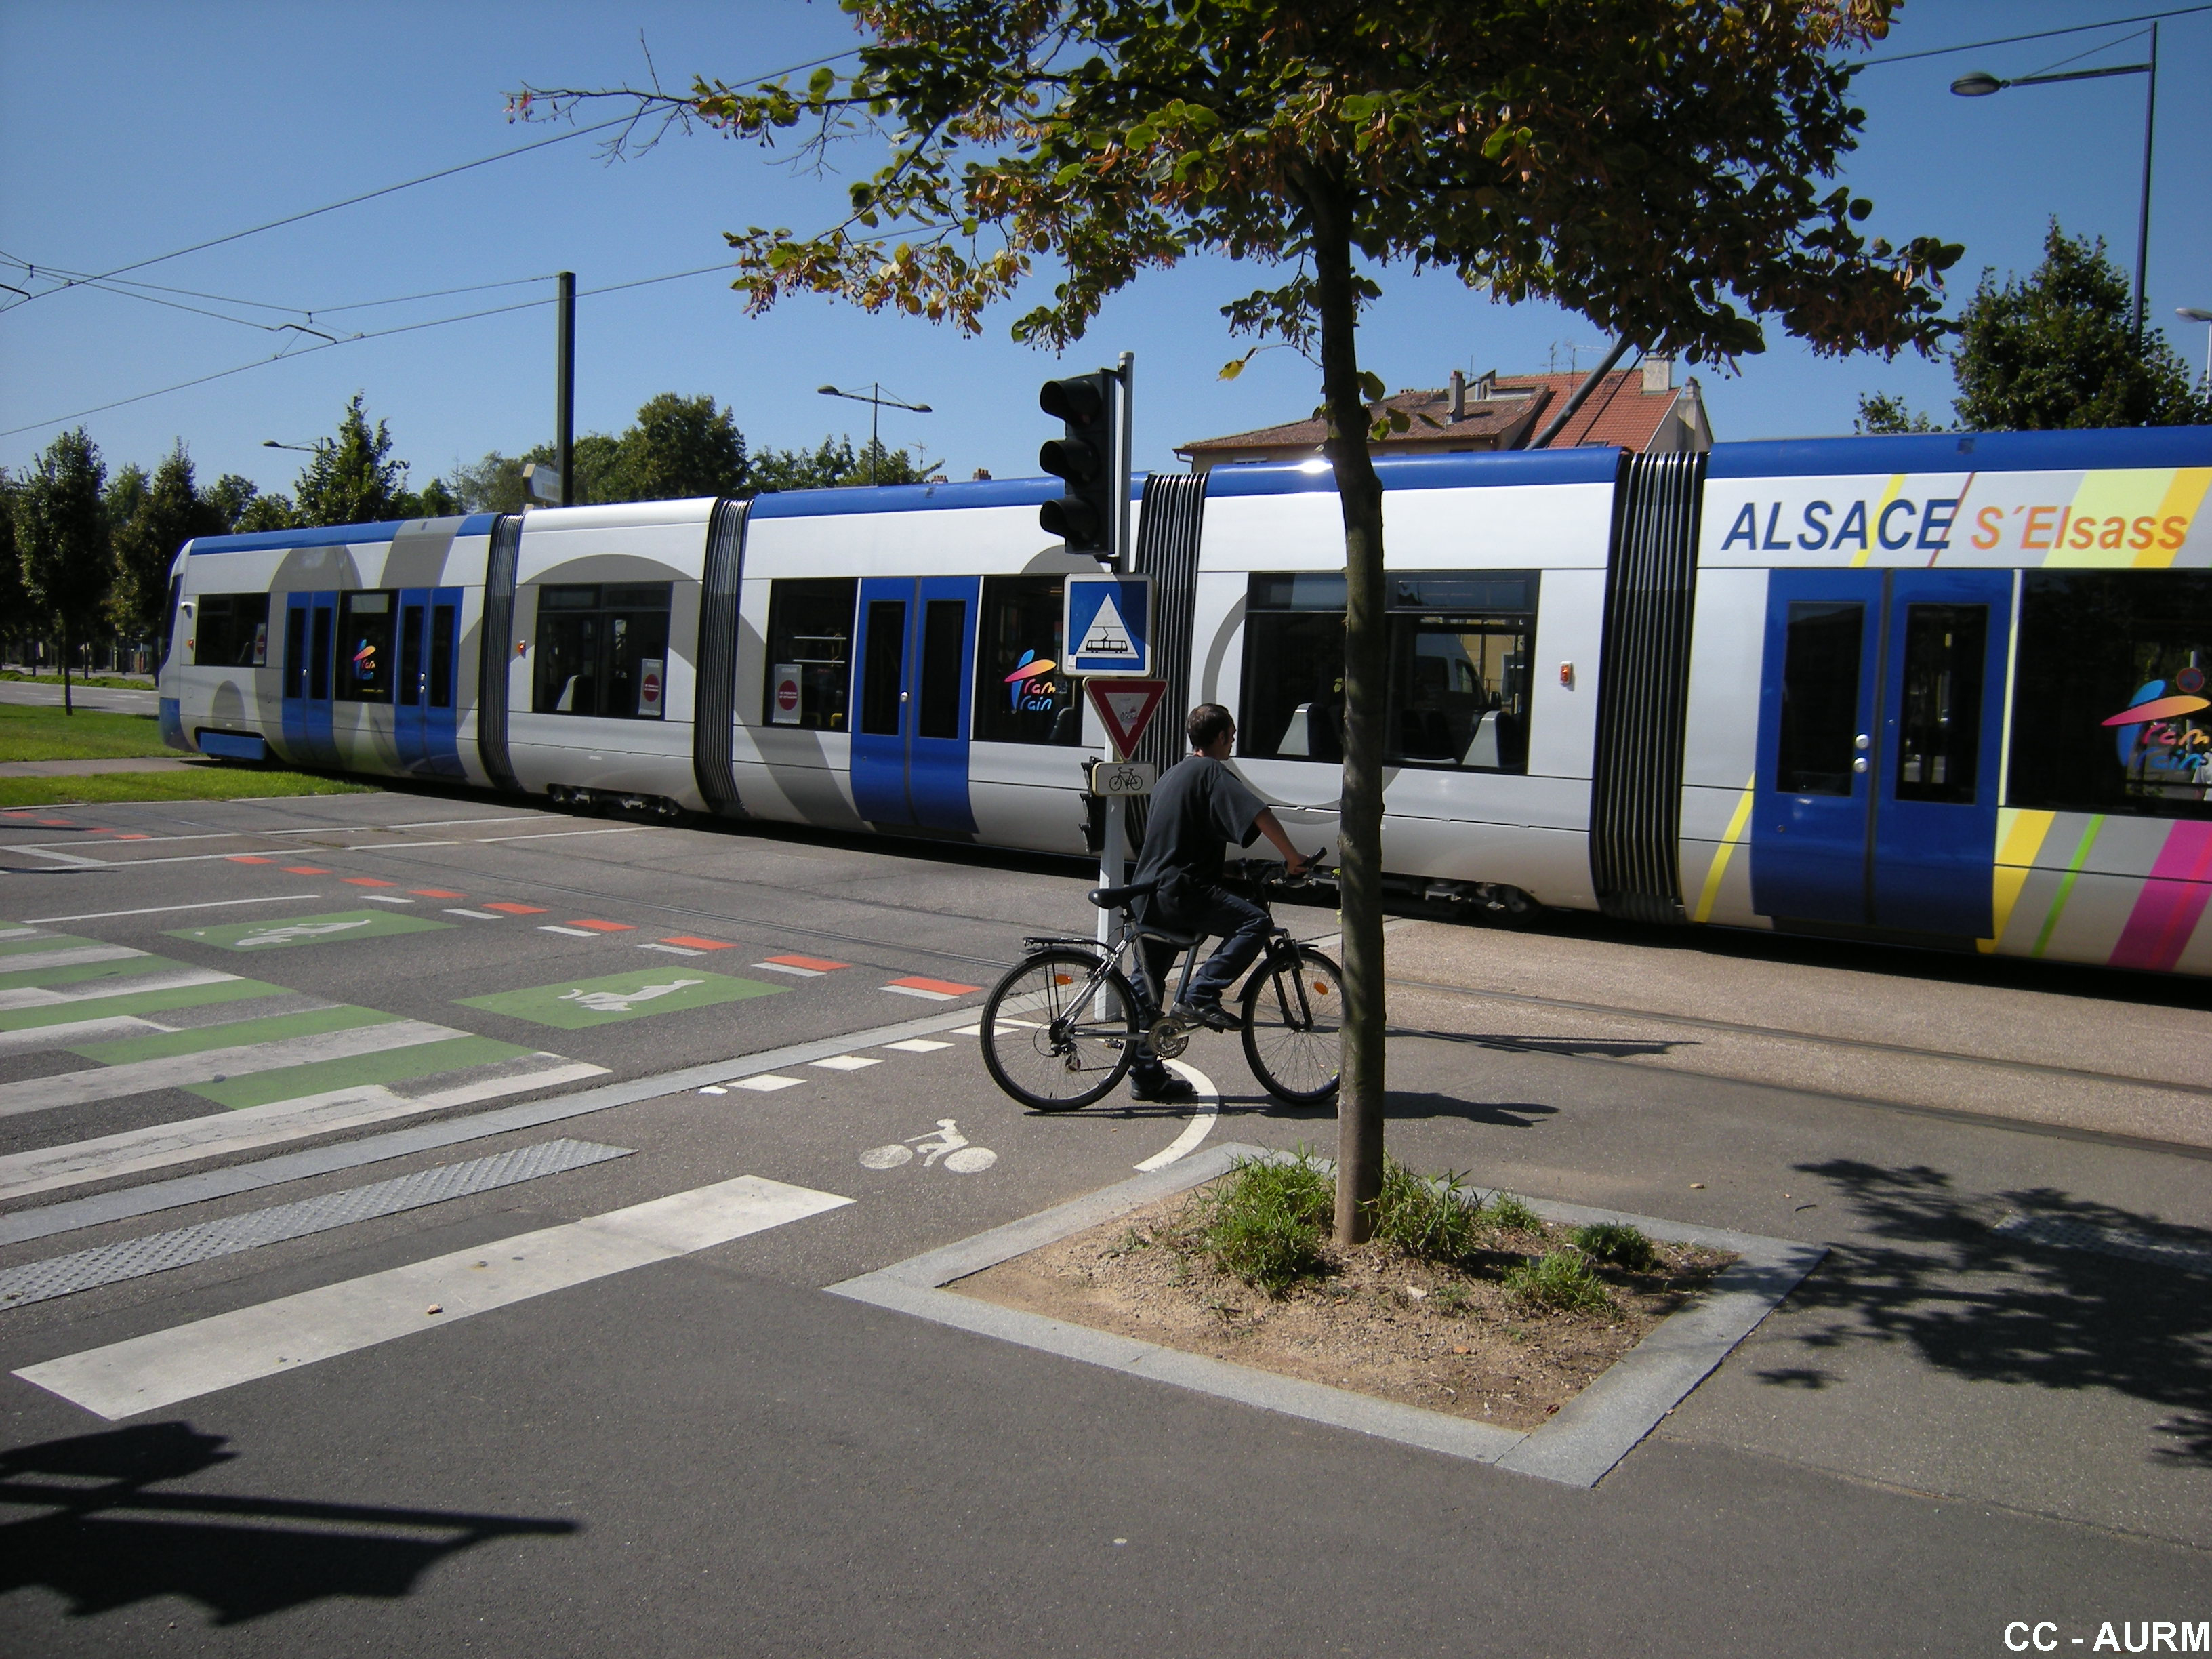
[[1590, 1435]]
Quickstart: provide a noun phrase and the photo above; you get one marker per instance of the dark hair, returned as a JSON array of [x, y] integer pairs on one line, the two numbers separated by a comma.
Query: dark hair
[[1208, 724]]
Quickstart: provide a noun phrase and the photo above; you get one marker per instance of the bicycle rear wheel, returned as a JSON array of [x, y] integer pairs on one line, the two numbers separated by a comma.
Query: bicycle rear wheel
[[1293, 1013], [1049, 1043]]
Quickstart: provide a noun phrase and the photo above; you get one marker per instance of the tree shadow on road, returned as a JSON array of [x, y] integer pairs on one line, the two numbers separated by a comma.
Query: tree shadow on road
[[103, 1540], [2002, 1307]]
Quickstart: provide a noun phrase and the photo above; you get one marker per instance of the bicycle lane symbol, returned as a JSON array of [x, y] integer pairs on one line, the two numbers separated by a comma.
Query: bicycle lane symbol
[[946, 1146]]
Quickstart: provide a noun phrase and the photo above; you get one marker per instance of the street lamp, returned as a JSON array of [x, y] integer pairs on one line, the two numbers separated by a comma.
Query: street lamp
[[1981, 84], [315, 448], [877, 404], [2198, 314]]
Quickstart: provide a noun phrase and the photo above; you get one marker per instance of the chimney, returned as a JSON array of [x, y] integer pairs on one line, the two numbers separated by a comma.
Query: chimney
[[1458, 396], [1658, 374]]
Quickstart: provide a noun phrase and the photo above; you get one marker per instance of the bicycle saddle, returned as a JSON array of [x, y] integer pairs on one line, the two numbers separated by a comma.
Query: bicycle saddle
[[1111, 898]]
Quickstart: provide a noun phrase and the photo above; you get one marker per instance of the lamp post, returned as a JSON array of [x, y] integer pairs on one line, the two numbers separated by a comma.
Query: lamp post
[[2199, 314], [877, 404], [315, 448], [1981, 84]]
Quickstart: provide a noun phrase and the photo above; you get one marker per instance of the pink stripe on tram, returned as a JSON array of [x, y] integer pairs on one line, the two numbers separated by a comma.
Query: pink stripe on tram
[[2172, 900]]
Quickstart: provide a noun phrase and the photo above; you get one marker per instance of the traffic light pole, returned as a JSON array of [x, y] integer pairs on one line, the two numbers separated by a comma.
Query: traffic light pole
[[1114, 840], [564, 386]]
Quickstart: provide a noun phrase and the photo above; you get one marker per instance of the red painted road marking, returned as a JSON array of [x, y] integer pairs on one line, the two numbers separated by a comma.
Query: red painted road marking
[[304, 870], [602, 926], [57, 824], [813, 964], [515, 909], [936, 990], [249, 857], [129, 835], [366, 881], [693, 942], [434, 893]]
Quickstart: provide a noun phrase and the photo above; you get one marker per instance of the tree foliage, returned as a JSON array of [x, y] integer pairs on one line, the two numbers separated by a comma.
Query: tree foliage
[[352, 478], [1663, 167], [1880, 414], [677, 447], [63, 541], [834, 464], [168, 512]]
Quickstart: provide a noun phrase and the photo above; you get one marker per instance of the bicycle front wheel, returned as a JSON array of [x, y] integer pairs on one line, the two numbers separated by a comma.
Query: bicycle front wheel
[[1293, 1017], [1052, 1039]]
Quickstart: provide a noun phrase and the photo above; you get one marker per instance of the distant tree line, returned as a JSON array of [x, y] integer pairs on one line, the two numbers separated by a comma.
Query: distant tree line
[[85, 556]]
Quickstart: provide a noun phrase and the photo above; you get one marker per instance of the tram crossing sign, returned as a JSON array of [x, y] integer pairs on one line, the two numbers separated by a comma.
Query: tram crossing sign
[[1107, 625], [1126, 707]]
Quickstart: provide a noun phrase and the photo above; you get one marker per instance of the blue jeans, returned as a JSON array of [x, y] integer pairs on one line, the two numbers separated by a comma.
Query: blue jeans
[[1243, 927]]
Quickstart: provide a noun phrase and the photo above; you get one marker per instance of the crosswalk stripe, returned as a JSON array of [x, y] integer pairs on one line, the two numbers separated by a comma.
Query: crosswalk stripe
[[164, 1368], [180, 1071], [12, 1002], [185, 1140], [38, 961], [311, 1021], [68, 1033]]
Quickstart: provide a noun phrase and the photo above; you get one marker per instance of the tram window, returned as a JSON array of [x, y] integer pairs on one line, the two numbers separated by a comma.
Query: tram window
[[411, 653], [169, 616], [318, 661], [1459, 645], [884, 672], [2109, 709], [944, 640], [230, 630], [441, 656], [810, 637], [365, 645], [295, 653], [1819, 699], [1939, 729], [1021, 695], [602, 649]]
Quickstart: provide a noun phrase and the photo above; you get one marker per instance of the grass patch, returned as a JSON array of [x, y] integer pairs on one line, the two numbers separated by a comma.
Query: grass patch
[[1428, 1220], [32, 733], [106, 682], [208, 780], [1562, 1279], [1512, 1214], [1264, 1222], [1617, 1242]]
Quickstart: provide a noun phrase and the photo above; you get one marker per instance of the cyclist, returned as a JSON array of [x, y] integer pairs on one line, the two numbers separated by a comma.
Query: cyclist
[[1198, 808]]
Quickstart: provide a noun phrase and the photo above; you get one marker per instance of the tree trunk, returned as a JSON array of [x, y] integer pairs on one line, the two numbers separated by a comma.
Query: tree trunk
[[1359, 493], [68, 707]]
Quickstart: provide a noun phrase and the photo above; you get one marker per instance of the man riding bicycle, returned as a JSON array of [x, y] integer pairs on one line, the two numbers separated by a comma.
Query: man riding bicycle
[[1198, 807]]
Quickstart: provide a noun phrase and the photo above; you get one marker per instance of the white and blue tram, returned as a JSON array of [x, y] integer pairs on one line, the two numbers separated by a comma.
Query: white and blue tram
[[1948, 689]]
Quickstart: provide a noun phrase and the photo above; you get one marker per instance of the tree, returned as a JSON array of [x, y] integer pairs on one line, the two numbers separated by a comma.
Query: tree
[[262, 513], [169, 513], [833, 464], [63, 540], [1880, 413], [229, 496], [17, 615], [2058, 348], [1648, 163], [677, 447], [352, 478]]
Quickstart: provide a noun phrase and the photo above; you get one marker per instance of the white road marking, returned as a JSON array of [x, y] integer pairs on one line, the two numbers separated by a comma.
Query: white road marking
[[70, 1033], [71, 958], [554, 835], [399, 846], [186, 1361], [767, 1083], [44, 1094], [34, 996], [56, 853], [573, 932], [672, 950], [786, 967], [917, 1046], [916, 991], [189, 1139], [160, 909], [846, 1063], [379, 898], [1206, 1113], [474, 915]]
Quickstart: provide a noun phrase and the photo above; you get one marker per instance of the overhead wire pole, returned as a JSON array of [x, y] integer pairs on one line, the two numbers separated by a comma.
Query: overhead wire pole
[[564, 386], [2142, 213]]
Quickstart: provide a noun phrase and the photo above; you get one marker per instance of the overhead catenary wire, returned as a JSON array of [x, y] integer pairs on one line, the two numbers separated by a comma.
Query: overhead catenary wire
[[2040, 35]]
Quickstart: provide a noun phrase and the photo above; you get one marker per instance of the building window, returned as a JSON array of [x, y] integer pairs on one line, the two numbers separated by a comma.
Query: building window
[[230, 630], [1021, 695], [2110, 708], [1459, 645], [366, 669], [602, 649], [810, 652]]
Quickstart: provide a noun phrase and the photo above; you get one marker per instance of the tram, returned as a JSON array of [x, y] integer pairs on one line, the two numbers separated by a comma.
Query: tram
[[1945, 689]]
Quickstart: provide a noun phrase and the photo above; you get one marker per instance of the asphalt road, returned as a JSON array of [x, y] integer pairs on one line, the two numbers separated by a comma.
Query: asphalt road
[[1948, 1429]]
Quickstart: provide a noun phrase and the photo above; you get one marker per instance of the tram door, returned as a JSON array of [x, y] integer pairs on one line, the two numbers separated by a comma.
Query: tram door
[[915, 651], [310, 624], [424, 717], [1879, 732]]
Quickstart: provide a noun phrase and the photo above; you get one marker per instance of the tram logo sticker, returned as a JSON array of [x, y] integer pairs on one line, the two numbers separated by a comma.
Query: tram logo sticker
[[1107, 625], [1029, 688], [364, 662], [335, 929], [577, 1004]]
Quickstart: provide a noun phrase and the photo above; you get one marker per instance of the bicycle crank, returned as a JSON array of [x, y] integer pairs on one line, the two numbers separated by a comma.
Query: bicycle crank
[[1168, 1038]]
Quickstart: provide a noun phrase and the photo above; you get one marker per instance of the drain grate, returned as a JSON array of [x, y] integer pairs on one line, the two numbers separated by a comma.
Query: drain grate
[[2105, 1241], [135, 1258]]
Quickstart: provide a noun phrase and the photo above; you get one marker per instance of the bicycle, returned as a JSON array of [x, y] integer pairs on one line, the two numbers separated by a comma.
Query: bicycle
[[1064, 1024]]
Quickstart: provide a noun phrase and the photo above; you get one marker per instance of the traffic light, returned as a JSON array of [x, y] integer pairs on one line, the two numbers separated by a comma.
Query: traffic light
[[1084, 517]]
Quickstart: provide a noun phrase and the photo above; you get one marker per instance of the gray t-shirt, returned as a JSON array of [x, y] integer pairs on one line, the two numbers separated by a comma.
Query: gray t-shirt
[[1196, 809]]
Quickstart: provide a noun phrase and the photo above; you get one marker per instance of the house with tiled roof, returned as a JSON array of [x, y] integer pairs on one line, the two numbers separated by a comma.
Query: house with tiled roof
[[1640, 408]]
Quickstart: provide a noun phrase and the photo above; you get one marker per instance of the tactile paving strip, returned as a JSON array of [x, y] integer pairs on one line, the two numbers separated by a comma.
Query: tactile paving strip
[[64, 1275], [2105, 1241]]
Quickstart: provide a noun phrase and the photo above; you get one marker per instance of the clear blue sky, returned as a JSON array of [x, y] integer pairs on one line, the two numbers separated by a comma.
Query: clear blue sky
[[134, 128]]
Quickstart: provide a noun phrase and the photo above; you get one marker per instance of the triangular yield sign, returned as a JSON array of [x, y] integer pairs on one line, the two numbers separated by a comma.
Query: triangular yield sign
[[1126, 707], [1107, 635]]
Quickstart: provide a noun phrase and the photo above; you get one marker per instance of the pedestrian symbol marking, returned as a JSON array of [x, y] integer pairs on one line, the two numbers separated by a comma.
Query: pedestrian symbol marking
[[576, 1004], [1107, 625]]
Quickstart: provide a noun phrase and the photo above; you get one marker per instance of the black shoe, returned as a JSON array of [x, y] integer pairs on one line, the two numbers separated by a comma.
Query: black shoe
[[1167, 1087], [1210, 1015]]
